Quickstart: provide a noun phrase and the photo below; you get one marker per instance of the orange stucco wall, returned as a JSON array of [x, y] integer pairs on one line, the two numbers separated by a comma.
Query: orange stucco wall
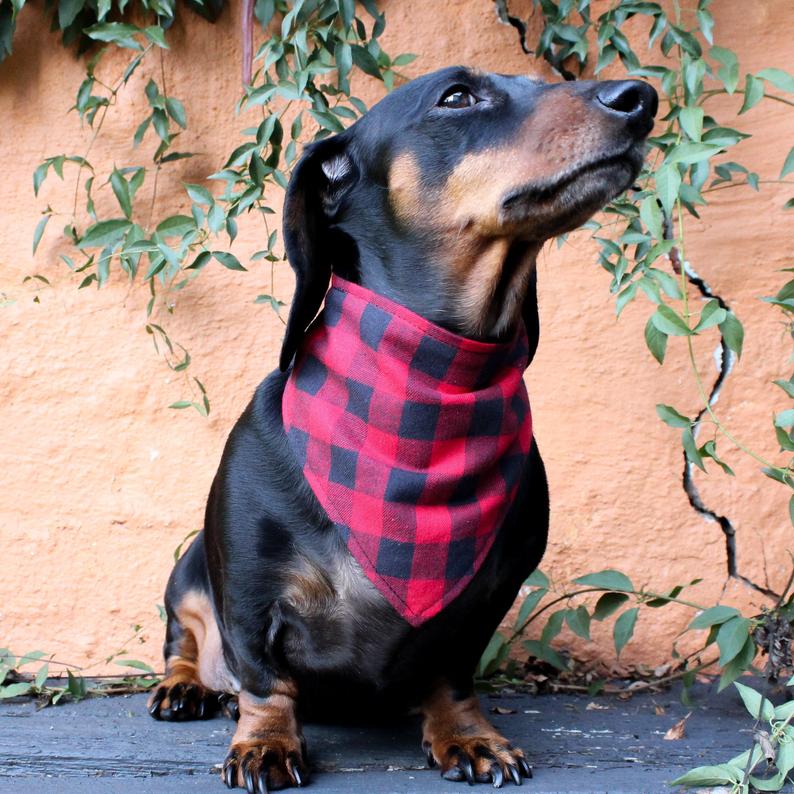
[[100, 481]]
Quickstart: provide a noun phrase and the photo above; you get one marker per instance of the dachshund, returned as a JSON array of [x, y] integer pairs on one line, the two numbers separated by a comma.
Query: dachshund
[[381, 500]]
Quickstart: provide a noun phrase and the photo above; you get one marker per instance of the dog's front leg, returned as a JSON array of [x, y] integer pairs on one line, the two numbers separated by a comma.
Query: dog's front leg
[[268, 750], [459, 739]]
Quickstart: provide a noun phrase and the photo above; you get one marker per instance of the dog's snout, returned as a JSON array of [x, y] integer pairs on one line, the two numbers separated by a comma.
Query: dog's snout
[[634, 100]]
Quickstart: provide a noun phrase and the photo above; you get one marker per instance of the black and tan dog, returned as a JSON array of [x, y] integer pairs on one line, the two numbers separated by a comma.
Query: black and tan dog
[[438, 199]]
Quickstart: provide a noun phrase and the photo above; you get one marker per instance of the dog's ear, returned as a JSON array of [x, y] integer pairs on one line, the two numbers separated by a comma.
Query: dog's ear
[[319, 184]]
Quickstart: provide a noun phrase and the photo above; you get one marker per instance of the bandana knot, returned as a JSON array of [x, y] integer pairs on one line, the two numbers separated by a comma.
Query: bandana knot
[[413, 439]]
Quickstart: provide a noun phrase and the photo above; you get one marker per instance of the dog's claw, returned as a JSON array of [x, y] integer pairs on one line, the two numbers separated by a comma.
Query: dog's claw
[[468, 769], [229, 773], [248, 777], [497, 776], [514, 774], [157, 699], [526, 769], [261, 783]]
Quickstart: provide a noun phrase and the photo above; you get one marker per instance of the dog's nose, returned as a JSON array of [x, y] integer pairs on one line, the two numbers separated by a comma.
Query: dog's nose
[[634, 100]]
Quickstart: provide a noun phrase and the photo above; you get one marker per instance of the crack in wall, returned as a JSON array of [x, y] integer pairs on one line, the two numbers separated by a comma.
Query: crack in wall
[[724, 357], [506, 18]]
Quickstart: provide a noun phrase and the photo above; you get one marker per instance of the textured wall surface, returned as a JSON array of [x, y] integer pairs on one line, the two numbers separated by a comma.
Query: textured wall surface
[[100, 481]]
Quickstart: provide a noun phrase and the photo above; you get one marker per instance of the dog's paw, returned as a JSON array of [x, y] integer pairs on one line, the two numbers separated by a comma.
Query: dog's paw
[[177, 701], [260, 766], [478, 759]]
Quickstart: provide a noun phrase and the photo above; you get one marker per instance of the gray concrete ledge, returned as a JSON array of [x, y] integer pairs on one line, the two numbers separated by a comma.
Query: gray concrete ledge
[[110, 746]]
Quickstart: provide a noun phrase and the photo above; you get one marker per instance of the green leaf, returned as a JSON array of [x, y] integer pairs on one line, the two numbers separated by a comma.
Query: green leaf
[[202, 259], [651, 216], [228, 260], [785, 418], [656, 340], [365, 61], [780, 79], [40, 226], [608, 579], [553, 626], [671, 417], [788, 165], [492, 657], [738, 665], [706, 22], [691, 120], [712, 314], [39, 175], [537, 579], [608, 604], [104, 233], [68, 11], [668, 181], [138, 665], [121, 190], [141, 131], [181, 404], [176, 225], [156, 35], [118, 33], [753, 93], [689, 153], [758, 706], [668, 321], [787, 386], [546, 653], [404, 59], [709, 449], [528, 606], [199, 195], [274, 303], [731, 637], [579, 622], [624, 628], [707, 776], [176, 110], [784, 711], [713, 616], [14, 690], [729, 71], [691, 449], [733, 333]]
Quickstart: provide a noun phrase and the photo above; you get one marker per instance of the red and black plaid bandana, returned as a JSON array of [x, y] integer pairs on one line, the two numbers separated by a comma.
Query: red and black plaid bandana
[[412, 438]]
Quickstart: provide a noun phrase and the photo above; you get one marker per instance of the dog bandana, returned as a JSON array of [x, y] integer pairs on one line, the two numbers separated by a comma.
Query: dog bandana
[[412, 438]]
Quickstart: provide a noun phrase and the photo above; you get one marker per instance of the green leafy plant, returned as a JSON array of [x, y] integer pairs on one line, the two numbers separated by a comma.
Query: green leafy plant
[[44, 684], [300, 88], [773, 749]]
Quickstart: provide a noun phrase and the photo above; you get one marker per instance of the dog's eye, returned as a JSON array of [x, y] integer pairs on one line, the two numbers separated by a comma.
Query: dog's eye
[[458, 97]]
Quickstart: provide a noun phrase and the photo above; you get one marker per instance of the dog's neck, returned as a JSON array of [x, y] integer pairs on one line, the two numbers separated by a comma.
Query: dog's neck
[[479, 291]]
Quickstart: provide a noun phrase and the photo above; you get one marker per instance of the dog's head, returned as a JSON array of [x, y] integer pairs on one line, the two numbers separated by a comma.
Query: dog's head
[[442, 194]]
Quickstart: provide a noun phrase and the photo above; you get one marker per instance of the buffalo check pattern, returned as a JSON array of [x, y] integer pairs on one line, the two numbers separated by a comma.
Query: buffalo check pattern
[[412, 438]]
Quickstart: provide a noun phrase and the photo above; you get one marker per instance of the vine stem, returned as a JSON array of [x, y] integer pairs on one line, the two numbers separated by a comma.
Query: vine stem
[[743, 184], [691, 351], [111, 100], [715, 91], [567, 596]]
